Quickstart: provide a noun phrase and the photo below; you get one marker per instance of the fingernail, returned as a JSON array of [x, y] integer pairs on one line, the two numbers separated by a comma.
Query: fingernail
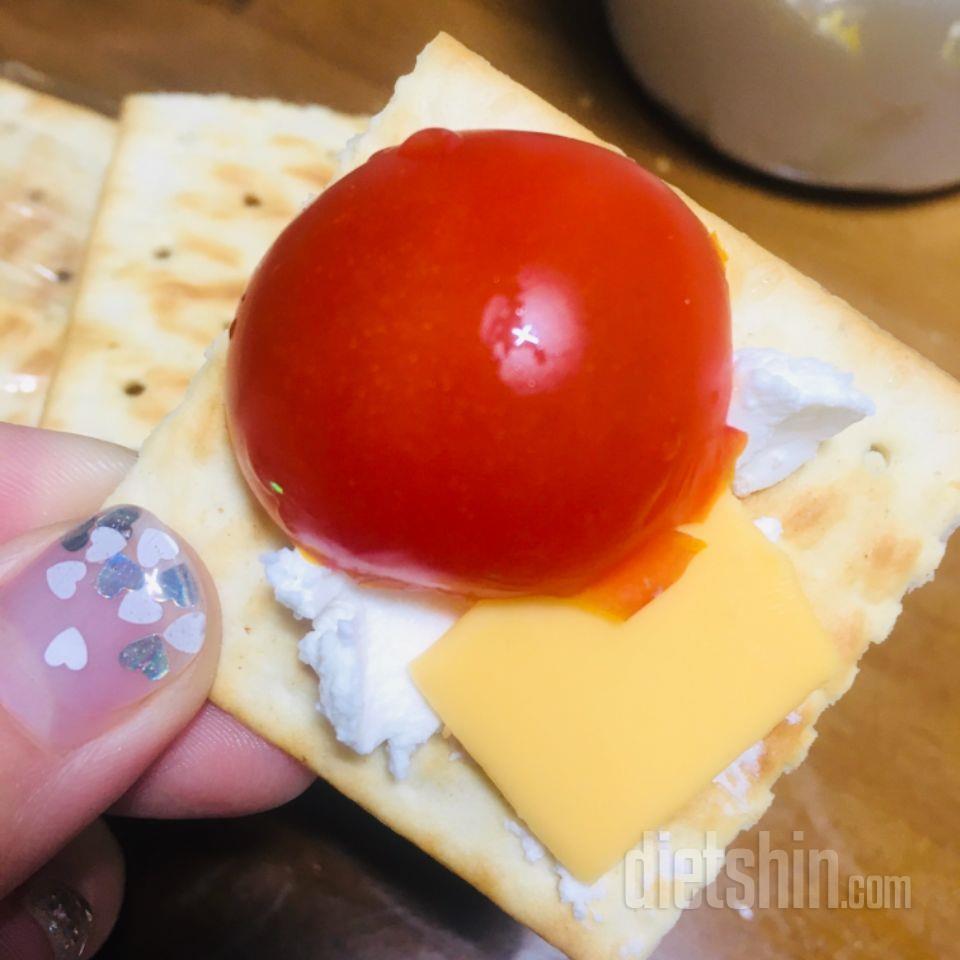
[[64, 916], [101, 619]]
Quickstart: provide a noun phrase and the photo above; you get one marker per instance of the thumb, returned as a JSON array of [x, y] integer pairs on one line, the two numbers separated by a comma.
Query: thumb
[[48, 477], [110, 635]]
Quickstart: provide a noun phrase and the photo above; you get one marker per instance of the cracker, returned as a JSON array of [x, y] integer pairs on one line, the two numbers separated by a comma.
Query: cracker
[[53, 158], [200, 187], [864, 522]]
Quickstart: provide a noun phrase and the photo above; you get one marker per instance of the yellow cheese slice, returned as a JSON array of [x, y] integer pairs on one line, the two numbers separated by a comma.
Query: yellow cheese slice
[[596, 730]]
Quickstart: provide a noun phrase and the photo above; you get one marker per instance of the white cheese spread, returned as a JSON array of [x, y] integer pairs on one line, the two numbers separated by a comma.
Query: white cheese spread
[[581, 896], [770, 527], [361, 645], [740, 776], [532, 848], [787, 406]]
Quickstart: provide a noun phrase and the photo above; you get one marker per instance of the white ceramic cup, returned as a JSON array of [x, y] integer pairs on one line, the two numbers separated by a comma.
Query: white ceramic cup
[[860, 94]]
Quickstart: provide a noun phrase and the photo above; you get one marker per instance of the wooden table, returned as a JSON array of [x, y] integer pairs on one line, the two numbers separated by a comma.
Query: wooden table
[[881, 786]]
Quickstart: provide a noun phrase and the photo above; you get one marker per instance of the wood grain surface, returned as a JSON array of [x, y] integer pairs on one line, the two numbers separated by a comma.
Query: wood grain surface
[[881, 787]]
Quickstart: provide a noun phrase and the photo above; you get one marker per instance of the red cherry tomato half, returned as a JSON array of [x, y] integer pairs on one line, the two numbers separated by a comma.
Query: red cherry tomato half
[[489, 362]]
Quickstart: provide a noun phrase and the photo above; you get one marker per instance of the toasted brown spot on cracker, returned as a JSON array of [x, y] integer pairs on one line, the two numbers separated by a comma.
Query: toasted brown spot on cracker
[[169, 297], [291, 140], [39, 362], [887, 566], [218, 207], [207, 206], [200, 291], [169, 294], [166, 388], [814, 514], [234, 173], [317, 174], [211, 249], [12, 325], [851, 636], [16, 244], [207, 430]]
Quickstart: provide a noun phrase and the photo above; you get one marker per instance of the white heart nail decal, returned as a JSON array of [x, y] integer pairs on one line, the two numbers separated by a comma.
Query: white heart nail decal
[[137, 606], [62, 578], [154, 546], [105, 542], [67, 649], [186, 633]]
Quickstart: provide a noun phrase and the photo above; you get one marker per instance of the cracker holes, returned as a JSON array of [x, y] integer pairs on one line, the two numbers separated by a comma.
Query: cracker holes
[[251, 200], [877, 458], [64, 276], [162, 253], [133, 388], [36, 196]]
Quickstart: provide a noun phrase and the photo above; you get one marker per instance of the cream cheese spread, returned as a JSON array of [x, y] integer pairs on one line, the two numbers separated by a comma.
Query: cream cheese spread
[[362, 642], [787, 406]]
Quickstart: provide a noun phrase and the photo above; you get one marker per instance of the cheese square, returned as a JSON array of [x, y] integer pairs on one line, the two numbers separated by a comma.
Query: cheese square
[[560, 705]]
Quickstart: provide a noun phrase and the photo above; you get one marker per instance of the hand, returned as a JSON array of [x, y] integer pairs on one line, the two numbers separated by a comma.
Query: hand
[[101, 708]]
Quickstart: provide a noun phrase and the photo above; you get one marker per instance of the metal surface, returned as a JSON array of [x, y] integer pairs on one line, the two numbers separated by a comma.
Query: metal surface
[[837, 92]]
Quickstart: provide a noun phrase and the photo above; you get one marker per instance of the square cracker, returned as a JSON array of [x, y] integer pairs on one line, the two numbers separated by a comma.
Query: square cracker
[[864, 522], [53, 158], [200, 187]]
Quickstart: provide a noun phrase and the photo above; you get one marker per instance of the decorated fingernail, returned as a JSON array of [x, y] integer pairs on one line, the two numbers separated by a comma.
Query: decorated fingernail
[[99, 620], [63, 915]]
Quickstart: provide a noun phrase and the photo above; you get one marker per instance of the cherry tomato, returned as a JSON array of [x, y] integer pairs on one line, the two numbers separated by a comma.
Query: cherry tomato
[[489, 362]]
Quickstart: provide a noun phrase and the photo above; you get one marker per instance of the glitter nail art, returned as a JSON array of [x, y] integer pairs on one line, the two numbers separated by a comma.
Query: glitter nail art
[[121, 519], [155, 546], [63, 915], [186, 634], [79, 537], [179, 586], [105, 542], [138, 606], [147, 656], [119, 574], [63, 578], [96, 622], [67, 649]]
